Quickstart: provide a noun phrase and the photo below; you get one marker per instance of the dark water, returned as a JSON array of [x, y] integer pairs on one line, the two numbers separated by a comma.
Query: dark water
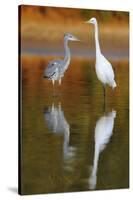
[[72, 142]]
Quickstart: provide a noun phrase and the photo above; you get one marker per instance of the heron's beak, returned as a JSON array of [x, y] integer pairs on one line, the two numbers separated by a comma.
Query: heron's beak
[[86, 22], [75, 38]]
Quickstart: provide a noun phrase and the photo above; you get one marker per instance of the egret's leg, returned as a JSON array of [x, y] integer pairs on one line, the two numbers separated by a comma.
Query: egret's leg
[[104, 91], [104, 96]]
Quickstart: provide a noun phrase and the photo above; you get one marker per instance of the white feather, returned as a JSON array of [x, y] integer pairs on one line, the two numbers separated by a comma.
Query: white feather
[[104, 70]]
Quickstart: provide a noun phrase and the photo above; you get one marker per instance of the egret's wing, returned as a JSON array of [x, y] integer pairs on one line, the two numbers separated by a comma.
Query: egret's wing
[[108, 70]]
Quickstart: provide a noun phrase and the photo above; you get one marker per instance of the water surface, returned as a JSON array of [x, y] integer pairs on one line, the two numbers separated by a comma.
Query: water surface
[[72, 142]]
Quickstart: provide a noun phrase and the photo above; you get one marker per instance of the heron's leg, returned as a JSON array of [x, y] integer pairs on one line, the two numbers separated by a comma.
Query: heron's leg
[[60, 81], [59, 106], [53, 81], [59, 92]]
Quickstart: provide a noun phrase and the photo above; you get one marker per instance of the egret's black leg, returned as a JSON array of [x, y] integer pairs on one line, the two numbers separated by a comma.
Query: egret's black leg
[[104, 91]]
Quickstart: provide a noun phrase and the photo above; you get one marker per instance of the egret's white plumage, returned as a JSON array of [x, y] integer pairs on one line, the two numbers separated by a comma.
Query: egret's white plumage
[[103, 67]]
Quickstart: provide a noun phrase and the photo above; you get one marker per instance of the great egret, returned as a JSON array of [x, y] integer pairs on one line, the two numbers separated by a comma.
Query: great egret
[[56, 68], [103, 67], [103, 132]]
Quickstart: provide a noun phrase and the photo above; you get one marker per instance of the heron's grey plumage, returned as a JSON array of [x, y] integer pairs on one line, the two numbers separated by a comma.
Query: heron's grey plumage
[[56, 68]]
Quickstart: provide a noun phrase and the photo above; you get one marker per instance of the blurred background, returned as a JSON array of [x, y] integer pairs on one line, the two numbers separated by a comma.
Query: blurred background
[[42, 30]]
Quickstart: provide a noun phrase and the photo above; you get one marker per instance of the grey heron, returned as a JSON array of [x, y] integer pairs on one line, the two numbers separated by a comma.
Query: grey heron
[[56, 68]]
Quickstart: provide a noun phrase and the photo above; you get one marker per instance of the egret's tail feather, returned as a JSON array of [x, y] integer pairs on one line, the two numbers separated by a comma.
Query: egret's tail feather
[[114, 85]]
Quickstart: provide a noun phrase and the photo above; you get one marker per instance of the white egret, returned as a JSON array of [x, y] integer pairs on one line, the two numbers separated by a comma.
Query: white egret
[[103, 67]]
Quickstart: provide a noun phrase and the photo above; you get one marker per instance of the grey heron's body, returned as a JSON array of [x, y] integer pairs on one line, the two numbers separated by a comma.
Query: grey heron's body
[[56, 68]]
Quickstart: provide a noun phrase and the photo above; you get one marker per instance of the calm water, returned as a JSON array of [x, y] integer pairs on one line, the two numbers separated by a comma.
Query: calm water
[[72, 142]]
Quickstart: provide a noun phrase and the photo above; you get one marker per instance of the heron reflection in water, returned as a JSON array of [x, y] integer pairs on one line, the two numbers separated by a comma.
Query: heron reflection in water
[[58, 124], [103, 132]]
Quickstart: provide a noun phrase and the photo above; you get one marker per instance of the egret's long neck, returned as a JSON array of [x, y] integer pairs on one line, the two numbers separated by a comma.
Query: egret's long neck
[[67, 51], [98, 50]]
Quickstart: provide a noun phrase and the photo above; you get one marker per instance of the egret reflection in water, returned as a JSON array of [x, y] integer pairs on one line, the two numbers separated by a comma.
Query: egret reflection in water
[[103, 132], [57, 123]]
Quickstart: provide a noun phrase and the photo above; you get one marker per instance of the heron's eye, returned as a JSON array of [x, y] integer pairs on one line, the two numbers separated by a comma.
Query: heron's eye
[[52, 64]]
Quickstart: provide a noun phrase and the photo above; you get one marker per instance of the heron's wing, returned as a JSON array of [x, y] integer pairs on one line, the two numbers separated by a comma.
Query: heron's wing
[[53, 68], [60, 65]]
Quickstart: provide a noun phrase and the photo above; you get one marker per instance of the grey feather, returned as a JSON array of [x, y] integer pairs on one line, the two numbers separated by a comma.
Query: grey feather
[[56, 68]]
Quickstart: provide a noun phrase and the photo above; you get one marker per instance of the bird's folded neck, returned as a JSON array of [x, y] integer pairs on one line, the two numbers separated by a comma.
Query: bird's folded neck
[[67, 51], [98, 50]]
